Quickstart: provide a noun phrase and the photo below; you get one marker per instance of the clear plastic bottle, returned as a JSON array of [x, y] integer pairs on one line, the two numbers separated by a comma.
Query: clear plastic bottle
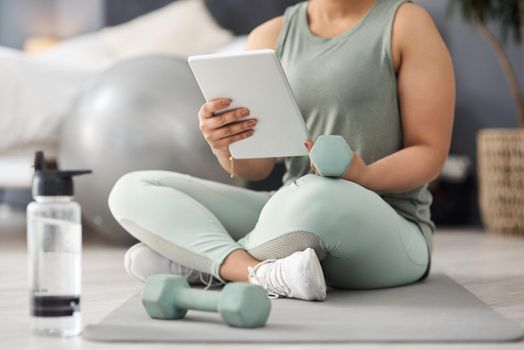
[[54, 243]]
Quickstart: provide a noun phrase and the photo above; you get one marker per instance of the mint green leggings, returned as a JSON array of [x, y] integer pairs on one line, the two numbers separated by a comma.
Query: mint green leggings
[[361, 241]]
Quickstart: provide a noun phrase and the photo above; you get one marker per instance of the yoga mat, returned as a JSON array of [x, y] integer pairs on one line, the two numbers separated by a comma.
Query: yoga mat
[[435, 310]]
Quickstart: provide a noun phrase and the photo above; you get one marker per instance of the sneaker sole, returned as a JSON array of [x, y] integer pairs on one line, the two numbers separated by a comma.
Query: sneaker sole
[[127, 262], [317, 268]]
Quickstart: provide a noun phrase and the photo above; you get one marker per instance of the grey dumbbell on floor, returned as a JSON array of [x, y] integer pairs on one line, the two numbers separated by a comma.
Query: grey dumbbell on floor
[[240, 304], [331, 155]]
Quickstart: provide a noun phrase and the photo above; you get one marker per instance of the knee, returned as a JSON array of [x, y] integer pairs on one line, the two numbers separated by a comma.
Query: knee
[[133, 187], [118, 191], [313, 188], [327, 199], [333, 206], [125, 182], [123, 191]]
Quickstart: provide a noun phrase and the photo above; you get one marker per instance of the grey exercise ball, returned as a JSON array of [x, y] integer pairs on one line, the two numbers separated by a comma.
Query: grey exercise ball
[[140, 114]]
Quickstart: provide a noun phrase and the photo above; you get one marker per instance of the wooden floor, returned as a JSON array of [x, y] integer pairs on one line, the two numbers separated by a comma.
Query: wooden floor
[[490, 266]]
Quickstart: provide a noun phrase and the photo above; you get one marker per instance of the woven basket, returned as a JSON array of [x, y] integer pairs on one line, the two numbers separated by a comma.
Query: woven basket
[[501, 179]]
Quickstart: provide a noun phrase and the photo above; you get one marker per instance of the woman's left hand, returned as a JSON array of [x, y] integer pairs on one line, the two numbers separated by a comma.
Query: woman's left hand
[[355, 172], [309, 145]]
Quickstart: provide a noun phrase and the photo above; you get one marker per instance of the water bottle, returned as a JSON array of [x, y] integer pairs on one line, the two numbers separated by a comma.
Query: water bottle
[[54, 244]]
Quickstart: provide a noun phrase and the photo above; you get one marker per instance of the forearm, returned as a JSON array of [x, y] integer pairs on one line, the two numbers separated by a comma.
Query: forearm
[[248, 169], [401, 171]]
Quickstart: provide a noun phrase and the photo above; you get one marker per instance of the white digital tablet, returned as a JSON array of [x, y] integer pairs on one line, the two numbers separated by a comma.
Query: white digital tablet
[[256, 80]]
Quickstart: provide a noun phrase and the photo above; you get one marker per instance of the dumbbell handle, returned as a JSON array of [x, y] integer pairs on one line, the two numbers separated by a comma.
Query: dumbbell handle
[[196, 299]]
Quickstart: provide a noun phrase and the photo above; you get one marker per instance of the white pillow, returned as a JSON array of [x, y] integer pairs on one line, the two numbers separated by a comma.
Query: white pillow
[[34, 97], [83, 51], [182, 28], [236, 45]]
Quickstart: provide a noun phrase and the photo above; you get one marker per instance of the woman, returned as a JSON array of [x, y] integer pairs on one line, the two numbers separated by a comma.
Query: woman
[[376, 72]]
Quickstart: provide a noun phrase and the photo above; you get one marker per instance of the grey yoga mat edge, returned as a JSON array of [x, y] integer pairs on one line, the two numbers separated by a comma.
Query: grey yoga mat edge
[[433, 311]]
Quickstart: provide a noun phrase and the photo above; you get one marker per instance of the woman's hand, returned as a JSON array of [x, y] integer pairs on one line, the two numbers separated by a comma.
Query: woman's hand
[[309, 145], [355, 172], [221, 130]]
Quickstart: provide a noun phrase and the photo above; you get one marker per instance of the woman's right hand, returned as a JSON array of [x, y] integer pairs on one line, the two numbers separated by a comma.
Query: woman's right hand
[[221, 130]]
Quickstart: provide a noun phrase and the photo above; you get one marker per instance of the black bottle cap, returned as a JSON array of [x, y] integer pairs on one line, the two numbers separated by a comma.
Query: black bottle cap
[[53, 182]]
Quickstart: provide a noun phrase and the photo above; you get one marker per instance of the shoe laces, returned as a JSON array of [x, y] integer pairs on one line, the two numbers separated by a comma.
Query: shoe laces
[[181, 270], [211, 282], [186, 272], [274, 283]]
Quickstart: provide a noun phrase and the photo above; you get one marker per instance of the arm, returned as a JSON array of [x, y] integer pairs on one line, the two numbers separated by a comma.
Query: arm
[[426, 88], [262, 37]]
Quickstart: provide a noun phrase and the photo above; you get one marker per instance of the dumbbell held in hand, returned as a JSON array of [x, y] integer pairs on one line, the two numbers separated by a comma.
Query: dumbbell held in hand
[[240, 304], [331, 155]]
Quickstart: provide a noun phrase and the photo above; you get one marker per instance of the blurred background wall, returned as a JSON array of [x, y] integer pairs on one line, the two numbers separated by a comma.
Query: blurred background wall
[[21, 19]]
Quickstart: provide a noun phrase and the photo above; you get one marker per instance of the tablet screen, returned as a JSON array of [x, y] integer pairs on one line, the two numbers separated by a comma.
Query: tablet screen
[[255, 80]]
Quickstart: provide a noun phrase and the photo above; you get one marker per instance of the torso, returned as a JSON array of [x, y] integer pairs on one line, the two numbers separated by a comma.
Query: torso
[[346, 108], [347, 85]]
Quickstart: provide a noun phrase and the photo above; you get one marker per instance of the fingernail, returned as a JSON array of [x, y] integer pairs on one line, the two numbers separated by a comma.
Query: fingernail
[[244, 112], [251, 123], [226, 102]]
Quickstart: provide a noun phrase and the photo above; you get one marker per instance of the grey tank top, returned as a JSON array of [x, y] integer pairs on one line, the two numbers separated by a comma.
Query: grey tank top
[[347, 86]]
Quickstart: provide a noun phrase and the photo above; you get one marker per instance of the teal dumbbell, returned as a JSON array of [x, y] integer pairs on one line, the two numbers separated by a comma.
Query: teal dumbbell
[[240, 304], [331, 155]]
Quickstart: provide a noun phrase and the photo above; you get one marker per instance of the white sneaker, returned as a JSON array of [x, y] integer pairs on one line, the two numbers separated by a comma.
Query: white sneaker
[[141, 262], [297, 276]]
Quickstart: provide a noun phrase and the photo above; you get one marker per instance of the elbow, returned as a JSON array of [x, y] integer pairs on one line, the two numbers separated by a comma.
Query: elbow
[[257, 178], [261, 175], [434, 175], [261, 169], [436, 165]]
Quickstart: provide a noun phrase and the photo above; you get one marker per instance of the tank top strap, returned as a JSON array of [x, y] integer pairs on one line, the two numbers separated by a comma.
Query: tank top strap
[[384, 11], [288, 25], [382, 20]]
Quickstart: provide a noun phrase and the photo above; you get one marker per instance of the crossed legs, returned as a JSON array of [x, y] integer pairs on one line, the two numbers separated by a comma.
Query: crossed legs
[[220, 229]]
